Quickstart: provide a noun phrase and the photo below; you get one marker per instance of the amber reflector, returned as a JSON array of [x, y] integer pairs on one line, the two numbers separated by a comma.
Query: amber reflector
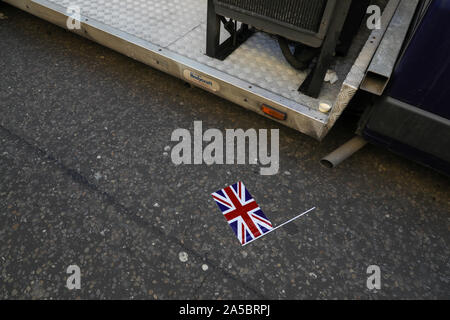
[[273, 113]]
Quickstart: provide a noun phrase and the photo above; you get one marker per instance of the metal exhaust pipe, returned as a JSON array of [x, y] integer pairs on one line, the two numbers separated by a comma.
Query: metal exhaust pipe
[[343, 153]]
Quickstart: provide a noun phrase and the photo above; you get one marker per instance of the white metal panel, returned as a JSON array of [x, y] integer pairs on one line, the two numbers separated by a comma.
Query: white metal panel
[[180, 25], [160, 22]]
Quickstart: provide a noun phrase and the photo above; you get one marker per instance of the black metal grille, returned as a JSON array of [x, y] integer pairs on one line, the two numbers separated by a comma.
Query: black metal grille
[[303, 14]]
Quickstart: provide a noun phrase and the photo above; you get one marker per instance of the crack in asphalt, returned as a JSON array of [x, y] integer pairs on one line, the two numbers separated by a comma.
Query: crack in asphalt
[[80, 179], [197, 290]]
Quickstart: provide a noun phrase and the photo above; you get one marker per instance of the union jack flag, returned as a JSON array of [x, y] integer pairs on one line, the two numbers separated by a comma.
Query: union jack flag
[[242, 213]]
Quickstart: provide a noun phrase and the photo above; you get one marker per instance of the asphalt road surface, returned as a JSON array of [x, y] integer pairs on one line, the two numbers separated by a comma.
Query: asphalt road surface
[[86, 181]]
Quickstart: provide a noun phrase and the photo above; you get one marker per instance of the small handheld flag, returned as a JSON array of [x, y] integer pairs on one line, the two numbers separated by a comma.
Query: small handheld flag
[[243, 214]]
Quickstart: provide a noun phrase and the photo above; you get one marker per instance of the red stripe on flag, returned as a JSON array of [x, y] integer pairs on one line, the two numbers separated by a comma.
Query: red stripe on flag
[[258, 218], [222, 201], [242, 211]]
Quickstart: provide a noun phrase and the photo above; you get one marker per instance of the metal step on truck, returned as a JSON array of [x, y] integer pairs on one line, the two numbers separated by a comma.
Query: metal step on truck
[[298, 62]]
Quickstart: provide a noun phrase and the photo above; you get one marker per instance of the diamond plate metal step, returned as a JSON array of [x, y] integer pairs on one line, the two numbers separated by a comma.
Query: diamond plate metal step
[[170, 35]]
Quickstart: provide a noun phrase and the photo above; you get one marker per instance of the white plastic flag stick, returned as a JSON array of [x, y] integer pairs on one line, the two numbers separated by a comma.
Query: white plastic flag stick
[[281, 225]]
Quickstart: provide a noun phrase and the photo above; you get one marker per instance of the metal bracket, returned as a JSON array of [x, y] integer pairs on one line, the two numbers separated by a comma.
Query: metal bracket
[[313, 83], [237, 36], [384, 61]]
